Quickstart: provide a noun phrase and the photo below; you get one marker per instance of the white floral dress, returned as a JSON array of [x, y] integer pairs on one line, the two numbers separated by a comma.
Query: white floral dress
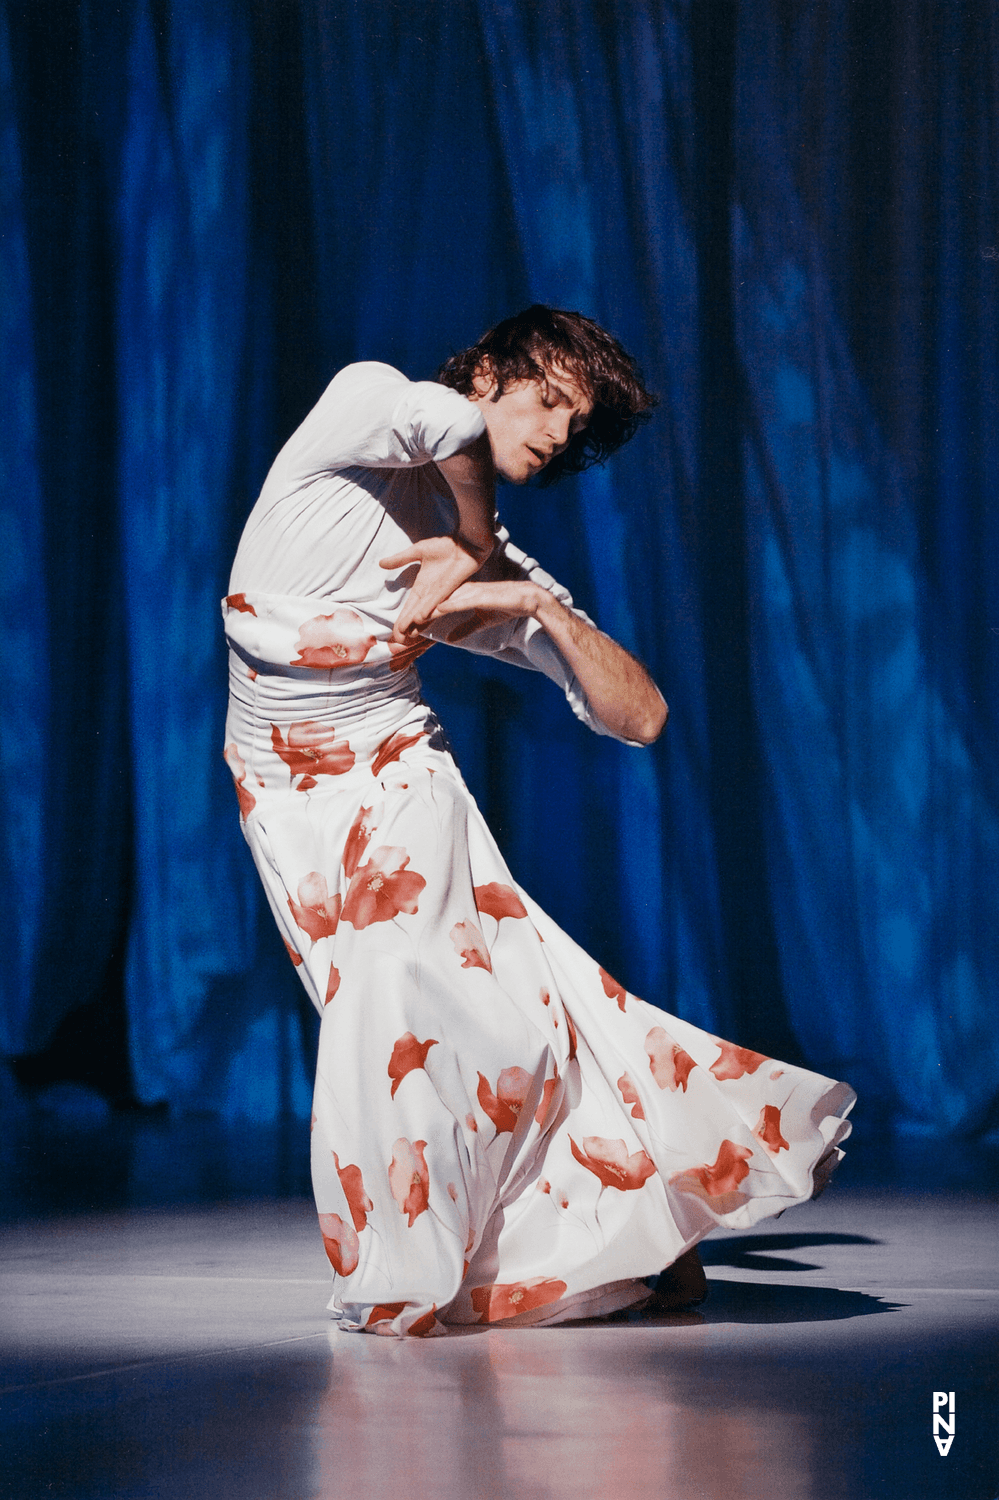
[[501, 1132]]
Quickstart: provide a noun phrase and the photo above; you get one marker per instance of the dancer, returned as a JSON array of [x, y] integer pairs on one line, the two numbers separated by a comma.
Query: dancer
[[501, 1132]]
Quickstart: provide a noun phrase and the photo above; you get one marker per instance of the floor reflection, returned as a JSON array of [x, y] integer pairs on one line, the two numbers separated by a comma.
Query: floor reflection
[[157, 1352], [698, 1409]]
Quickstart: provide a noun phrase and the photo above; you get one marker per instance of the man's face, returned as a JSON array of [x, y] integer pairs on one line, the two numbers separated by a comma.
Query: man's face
[[531, 421]]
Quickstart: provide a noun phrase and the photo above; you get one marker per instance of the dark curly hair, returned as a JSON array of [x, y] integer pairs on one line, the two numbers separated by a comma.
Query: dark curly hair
[[526, 347]]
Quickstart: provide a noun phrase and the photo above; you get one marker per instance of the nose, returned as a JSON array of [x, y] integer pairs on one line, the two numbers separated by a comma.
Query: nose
[[559, 428]]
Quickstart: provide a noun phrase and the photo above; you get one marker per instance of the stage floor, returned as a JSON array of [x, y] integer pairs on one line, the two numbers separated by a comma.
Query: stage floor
[[184, 1351]]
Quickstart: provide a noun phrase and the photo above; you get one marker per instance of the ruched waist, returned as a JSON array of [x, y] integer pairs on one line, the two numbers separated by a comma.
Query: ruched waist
[[321, 702], [312, 636], [280, 693]]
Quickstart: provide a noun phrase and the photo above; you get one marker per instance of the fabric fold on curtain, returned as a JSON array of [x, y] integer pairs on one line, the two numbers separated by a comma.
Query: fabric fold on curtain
[[199, 1039], [597, 192], [24, 684], [65, 824], [883, 837], [438, 166]]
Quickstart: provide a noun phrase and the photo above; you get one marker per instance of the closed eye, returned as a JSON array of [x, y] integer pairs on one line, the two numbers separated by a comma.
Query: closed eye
[[553, 395]]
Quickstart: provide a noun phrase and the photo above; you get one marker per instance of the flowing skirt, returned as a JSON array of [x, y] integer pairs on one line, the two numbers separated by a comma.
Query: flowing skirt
[[501, 1132]]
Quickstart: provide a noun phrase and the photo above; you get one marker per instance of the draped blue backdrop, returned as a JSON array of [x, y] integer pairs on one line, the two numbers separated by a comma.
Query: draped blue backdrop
[[791, 216]]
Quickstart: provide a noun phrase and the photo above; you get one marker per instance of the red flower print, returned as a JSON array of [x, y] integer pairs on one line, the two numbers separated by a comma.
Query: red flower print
[[359, 837], [316, 911], [612, 989], [382, 888], [237, 765], [341, 1243], [295, 957], [768, 1131], [422, 1326], [391, 749], [668, 1063], [407, 1054], [384, 1313], [404, 656], [493, 1303], [609, 1160], [409, 1178], [471, 946], [332, 984], [251, 672], [499, 901], [336, 640], [504, 1107], [733, 1061], [357, 1199], [717, 1184], [311, 751], [573, 1040], [238, 602], [471, 1123], [630, 1096], [387, 1311], [546, 999], [551, 1084]]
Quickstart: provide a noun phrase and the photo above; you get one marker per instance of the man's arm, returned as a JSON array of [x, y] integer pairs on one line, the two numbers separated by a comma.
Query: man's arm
[[447, 561], [471, 478], [621, 693], [619, 689]]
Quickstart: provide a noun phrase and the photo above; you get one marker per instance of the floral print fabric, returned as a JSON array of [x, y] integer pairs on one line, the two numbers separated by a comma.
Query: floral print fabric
[[500, 1131]]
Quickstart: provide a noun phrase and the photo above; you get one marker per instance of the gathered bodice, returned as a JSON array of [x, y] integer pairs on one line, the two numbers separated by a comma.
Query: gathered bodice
[[318, 697], [319, 692]]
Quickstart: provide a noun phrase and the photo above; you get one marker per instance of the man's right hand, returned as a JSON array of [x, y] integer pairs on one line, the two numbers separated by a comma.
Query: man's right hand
[[444, 565]]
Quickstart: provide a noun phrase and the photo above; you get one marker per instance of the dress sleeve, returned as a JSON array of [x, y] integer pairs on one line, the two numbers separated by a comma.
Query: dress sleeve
[[371, 417], [525, 642]]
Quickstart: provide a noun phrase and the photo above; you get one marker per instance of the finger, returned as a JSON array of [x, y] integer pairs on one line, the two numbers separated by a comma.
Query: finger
[[406, 631], [417, 610], [403, 623], [401, 559], [418, 617]]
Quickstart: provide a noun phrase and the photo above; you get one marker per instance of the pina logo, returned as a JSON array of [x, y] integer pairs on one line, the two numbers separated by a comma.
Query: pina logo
[[943, 1420]]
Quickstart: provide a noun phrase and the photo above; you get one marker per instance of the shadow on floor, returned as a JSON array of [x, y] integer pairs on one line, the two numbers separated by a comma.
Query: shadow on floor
[[755, 1303], [751, 1302], [748, 1251]]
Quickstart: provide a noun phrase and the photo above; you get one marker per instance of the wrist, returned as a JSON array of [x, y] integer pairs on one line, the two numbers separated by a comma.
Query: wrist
[[546, 608], [479, 545]]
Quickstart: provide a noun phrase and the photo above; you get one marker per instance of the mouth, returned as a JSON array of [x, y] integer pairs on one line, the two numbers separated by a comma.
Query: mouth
[[540, 457]]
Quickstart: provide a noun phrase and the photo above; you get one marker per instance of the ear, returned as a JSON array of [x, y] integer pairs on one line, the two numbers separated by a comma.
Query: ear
[[483, 381]]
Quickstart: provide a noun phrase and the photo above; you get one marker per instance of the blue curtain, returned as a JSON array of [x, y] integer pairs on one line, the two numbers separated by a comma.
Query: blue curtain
[[874, 664], [63, 761], [790, 216]]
